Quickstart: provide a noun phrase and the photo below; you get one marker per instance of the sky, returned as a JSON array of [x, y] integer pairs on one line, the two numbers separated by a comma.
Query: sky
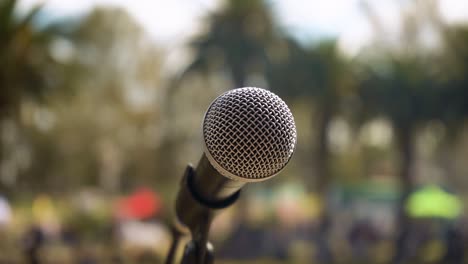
[[173, 21]]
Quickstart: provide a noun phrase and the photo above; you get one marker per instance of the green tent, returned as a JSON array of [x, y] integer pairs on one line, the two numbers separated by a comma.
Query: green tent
[[433, 202]]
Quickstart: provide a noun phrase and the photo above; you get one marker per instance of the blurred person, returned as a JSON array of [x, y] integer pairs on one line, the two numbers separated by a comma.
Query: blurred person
[[455, 245], [248, 238], [45, 227], [144, 236], [86, 256], [308, 241], [70, 236], [137, 225], [33, 242], [419, 240], [362, 237], [5, 219], [300, 231], [247, 242], [5, 213], [46, 216]]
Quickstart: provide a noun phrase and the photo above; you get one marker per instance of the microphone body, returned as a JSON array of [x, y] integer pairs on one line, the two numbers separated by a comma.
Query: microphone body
[[211, 185]]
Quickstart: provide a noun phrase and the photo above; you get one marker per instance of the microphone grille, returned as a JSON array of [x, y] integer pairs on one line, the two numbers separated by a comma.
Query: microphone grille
[[249, 134]]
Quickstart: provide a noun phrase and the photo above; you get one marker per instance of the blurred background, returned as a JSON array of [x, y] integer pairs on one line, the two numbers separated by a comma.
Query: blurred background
[[101, 107]]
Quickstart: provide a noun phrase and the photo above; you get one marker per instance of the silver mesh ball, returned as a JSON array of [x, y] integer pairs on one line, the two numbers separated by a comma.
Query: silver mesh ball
[[249, 134]]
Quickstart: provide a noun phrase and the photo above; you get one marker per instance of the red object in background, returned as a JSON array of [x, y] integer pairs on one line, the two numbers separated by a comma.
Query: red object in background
[[142, 204]]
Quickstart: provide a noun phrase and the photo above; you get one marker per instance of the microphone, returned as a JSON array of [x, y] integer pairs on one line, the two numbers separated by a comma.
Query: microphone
[[249, 136]]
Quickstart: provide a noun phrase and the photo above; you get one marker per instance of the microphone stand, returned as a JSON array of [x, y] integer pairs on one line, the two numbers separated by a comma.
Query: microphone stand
[[194, 215]]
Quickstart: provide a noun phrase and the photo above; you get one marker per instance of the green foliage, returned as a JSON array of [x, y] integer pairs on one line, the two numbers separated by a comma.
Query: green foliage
[[400, 90], [236, 40], [320, 71], [20, 57], [453, 73]]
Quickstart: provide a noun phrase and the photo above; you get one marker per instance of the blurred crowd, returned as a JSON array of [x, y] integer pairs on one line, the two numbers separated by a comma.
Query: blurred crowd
[[283, 225], [124, 230]]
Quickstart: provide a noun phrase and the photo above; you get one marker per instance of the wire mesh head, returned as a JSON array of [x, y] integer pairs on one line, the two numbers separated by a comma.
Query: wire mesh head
[[249, 134]]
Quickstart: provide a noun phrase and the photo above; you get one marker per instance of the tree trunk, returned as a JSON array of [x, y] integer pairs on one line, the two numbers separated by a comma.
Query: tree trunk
[[405, 145], [404, 139], [322, 182], [3, 187], [322, 151], [238, 76]]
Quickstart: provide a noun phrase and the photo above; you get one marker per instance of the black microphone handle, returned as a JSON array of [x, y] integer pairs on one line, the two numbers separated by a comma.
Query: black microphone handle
[[211, 185]]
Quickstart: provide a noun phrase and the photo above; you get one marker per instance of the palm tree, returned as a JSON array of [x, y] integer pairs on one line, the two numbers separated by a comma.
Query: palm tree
[[236, 40], [320, 73], [455, 63], [23, 54], [22, 48], [403, 93]]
